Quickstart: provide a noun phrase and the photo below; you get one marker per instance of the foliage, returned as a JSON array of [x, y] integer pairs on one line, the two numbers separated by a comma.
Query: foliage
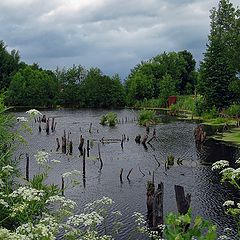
[[147, 117], [150, 103], [217, 71], [178, 227], [32, 87], [110, 119], [99, 90], [163, 75], [9, 64], [168, 87], [233, 110]]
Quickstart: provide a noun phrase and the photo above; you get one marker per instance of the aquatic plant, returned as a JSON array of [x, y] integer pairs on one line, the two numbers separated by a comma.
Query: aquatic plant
[[147, 117], [109, 119]]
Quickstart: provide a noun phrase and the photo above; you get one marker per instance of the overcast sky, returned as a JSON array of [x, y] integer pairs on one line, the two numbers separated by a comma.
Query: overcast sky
[[113, 35]]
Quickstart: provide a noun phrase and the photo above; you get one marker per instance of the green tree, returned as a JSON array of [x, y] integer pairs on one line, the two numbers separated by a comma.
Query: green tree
[[99, 90], [168, 87], [9, 64], [31, 87], [70, 81], [217, 70]]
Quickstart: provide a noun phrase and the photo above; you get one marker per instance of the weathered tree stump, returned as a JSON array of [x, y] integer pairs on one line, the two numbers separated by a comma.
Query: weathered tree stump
[[158, 206], [183, 202]]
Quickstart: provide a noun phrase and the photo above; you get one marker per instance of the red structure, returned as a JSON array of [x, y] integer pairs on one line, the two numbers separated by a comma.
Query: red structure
[[172, 100]]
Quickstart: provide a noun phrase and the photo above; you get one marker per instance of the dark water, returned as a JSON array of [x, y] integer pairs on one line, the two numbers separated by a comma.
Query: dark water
[[174, 138]]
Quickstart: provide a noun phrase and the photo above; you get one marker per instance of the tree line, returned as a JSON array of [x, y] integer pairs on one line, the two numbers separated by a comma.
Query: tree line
[[169, 73]]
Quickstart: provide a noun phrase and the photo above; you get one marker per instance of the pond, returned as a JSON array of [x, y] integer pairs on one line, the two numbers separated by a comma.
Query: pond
[[174, 137]]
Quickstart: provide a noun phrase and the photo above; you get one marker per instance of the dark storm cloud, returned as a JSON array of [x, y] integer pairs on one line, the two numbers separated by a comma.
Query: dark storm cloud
[[114, 35]]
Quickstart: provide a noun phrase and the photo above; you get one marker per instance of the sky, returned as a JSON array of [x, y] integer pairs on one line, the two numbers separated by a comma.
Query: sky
[[114, 35]]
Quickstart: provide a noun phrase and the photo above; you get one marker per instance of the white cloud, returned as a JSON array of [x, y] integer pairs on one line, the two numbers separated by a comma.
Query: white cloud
[[111, 34]]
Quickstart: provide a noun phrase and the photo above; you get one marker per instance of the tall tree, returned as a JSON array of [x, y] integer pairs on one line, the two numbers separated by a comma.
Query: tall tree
[[218, 71], [9, 64]]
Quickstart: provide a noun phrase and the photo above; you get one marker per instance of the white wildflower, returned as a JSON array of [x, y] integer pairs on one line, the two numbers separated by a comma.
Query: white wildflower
[[7, 169], [65, 203], [38, 231], [68, 174], [55, 161], [34, 112], [1, 183], [238, 161], [2, 202], [102, 201], [28, 194], [87, 219], [18, 208], [228, 203], [22, 119], [220, 164], [227, 170], [236, 173], [42, 157], [117, 213]]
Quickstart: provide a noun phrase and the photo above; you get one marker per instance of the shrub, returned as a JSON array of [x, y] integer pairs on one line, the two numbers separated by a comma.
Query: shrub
[[147, 117], [110, 119]]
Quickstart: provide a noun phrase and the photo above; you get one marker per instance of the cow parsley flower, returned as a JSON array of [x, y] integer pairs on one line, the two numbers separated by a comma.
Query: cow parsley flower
[[22, 119], [42, 158], [87, 219], [7, 169], [220, 164], [34, 112], [228, 203], [28, 194], [5, 204], [68, 174]]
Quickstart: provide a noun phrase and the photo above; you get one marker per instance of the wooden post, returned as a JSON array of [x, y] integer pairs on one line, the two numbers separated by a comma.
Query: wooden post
[[90, 128], [158, 206], [84, 163], [70, 147], [121, 175], [81, 145], [27, 167], [99, 157], [88, 148], [62, 187], [55, 126], [64, 143], [47, 127], [183, 202], [58, 144], [129, 174], [52, 126], [122, 143]]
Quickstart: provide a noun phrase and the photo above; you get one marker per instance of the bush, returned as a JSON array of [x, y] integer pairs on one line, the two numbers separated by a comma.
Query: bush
[[110, 119], [233, 110], [147, 117]]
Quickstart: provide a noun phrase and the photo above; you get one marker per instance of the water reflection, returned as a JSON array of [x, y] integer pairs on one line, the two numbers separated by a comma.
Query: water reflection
[[172, 138]]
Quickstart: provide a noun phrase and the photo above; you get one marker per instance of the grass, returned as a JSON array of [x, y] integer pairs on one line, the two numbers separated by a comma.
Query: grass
[[232, 136]]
